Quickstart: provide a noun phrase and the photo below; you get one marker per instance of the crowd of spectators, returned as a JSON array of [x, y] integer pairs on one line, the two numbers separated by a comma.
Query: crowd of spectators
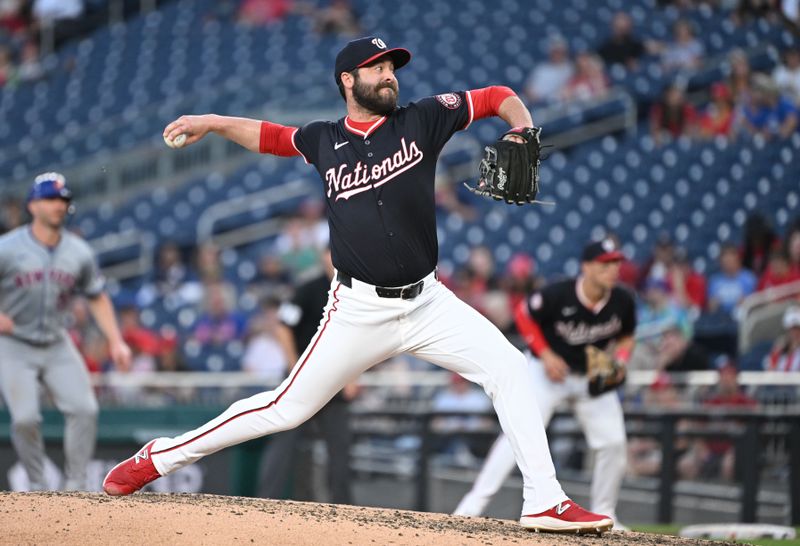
[[745, 103], [673, 295], [338, 17], [19, 38], [218, 309]]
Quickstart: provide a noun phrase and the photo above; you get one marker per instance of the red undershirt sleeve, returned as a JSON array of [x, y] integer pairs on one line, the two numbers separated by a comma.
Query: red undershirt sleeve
[[486, 102], [277, 139], [529, 329]]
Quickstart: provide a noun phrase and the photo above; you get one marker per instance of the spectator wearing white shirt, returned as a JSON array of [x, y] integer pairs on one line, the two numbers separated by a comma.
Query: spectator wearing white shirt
[[785, 354], [264, 354], [787, 75], [550, 78], [685, 52], [56, 10]]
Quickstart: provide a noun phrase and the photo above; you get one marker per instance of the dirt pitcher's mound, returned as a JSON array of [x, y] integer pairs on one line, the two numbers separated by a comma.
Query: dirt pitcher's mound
[[149, 519]]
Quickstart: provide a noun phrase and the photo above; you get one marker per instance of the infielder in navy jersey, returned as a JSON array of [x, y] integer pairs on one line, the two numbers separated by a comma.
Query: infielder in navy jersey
[[42, 266], [377, 165], [557, 323]]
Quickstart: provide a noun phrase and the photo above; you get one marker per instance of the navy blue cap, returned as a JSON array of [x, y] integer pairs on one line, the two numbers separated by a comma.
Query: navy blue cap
[[50, 186], [363, 51], [602, 251]]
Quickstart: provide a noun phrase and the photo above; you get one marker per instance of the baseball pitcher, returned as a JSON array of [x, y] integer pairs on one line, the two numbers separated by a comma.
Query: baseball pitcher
[[377, 165], [581, 333], [42, 266]]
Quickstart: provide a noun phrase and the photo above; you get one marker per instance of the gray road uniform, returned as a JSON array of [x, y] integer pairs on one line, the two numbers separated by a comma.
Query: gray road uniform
[[36, 286]]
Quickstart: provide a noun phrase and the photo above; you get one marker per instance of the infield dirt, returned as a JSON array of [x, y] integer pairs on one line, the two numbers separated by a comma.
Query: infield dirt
[[152, 519]]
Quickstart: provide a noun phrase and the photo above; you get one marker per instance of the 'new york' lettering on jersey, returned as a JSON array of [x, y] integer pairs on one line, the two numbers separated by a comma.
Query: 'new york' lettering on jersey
[[37, 282], [379, 186], [568, 324]]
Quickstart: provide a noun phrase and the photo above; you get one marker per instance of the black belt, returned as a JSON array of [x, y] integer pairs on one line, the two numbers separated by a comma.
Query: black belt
[[408, 292]]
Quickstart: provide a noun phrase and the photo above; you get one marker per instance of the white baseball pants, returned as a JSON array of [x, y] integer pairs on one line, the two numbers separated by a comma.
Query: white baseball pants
[[603, 425], [360, 329]]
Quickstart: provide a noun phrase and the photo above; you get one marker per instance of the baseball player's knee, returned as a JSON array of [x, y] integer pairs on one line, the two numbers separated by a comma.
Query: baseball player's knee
[[86, 414], [85, 410], [614, 455], [296, 416], [516, 366], [26, 424]]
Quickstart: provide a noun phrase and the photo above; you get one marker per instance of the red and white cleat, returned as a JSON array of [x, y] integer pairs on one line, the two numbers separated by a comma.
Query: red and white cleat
[[131, 474], [567, 517]]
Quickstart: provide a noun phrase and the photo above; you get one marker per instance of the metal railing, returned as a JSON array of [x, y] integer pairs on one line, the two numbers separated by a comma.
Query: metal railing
[[435, 378], [255, 231], [138, 265], [762, 311], [617, 121], [745, 428]]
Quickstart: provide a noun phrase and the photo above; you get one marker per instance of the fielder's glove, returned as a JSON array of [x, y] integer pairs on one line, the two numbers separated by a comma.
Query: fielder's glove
[[509, 170], [604, 372]]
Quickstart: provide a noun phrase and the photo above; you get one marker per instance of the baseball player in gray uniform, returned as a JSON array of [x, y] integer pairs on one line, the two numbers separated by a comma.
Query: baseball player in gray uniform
[[41, 267]]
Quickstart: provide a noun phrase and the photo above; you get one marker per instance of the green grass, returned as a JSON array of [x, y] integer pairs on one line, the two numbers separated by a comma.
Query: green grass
[[674, 529]]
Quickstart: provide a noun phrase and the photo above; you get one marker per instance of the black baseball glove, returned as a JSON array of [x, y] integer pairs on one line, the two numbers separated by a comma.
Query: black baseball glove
[[510, 170]]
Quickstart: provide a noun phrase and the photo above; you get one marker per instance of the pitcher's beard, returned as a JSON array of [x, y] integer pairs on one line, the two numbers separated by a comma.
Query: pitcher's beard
[[371, 99]]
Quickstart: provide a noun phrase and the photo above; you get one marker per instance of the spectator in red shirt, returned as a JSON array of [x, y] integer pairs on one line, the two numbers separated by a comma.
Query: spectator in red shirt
[[145, 344], [672, 116], [87, 336], [658, 265], [589, 80], [792, 248], [264, 12], [12, 17], [170, 358], [687, 285], [717, 119], [778, 271], [521, 279], [6, 66], [729, 395], [713, 458]]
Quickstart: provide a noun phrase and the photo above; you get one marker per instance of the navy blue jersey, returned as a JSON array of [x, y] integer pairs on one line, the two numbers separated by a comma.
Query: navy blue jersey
[[379, 186], [569, 323]]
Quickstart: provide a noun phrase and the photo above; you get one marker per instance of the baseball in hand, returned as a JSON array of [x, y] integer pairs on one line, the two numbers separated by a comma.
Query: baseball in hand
[[177, 142]]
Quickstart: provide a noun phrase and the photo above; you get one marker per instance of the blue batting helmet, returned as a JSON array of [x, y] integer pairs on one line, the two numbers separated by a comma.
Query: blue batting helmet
[[50, 186]]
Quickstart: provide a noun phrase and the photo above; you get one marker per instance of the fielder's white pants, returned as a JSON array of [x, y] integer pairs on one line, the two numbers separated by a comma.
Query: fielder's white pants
[[360, 329], [603, 425]]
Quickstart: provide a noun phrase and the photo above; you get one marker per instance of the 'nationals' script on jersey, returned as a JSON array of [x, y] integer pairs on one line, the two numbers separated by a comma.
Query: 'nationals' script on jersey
[[379, 186]]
